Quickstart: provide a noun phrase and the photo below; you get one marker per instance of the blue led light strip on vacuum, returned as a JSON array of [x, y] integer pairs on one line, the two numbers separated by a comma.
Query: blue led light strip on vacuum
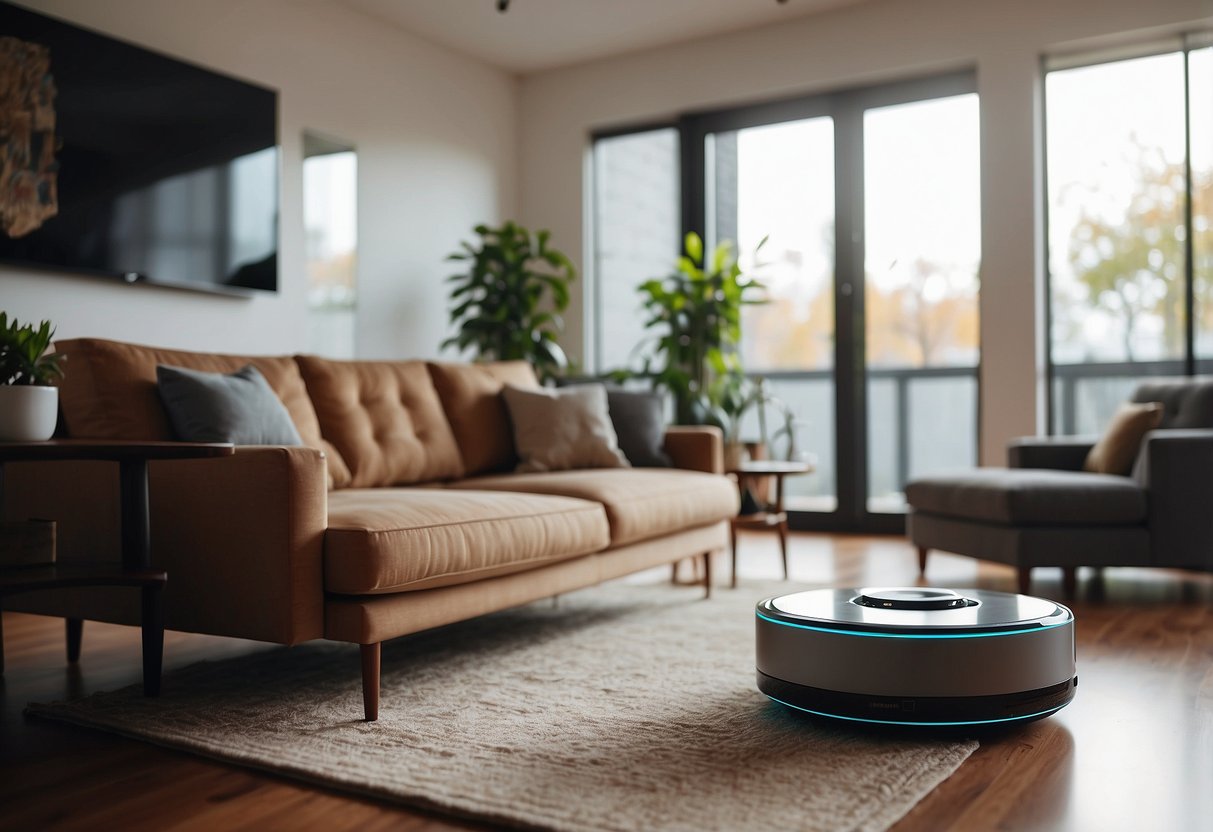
[[928, 724], [837, 632]]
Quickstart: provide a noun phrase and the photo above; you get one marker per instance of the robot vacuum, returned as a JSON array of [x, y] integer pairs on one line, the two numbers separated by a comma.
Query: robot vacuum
[[916, 656]]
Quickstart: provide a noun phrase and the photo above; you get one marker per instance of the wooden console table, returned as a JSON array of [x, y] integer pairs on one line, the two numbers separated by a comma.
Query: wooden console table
[[770, 517], [136, 569]]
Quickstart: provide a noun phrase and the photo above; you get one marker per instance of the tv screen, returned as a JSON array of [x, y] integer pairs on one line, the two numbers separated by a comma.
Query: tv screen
[[121, 162]]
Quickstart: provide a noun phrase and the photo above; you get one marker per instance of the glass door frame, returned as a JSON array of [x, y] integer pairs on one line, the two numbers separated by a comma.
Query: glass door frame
[[846, 108]]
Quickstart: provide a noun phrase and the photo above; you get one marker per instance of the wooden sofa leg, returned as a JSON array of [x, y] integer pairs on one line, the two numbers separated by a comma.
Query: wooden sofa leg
[[75, 633], [1024, 573], [707, 574], [923, 551], [1069, 581], [370, 681]]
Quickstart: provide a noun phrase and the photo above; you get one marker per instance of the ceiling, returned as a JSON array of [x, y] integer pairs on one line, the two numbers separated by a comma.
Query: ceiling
[[542, 34]]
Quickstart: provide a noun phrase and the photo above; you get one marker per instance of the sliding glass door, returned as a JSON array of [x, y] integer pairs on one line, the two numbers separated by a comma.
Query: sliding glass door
[[777, 181], [922, 249], [870, 200]]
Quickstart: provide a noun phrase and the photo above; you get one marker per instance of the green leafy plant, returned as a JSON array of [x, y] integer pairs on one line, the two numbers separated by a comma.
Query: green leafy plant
[[697, 314], [507, 305], [24, 359]]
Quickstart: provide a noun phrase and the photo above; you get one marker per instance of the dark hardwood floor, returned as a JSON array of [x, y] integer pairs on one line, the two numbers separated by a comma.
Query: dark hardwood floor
[[1134, 750]]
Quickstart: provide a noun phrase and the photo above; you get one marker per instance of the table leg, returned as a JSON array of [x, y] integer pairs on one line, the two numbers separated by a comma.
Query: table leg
[[783, 524], [75, 633], [783, 545], [733, 546], [153, 638], [137, 554], [136, 519]]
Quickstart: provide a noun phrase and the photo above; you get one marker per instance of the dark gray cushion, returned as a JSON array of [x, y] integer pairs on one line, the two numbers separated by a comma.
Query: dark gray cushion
[[240, 407], [1031, 497], [1186, 402], [639, 420]]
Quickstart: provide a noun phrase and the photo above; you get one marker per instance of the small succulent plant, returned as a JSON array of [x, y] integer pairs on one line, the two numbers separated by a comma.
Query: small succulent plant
[[24, 356]]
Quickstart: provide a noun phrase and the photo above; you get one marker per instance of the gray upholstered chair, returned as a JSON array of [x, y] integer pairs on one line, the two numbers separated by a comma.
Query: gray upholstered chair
[[1044, 510]]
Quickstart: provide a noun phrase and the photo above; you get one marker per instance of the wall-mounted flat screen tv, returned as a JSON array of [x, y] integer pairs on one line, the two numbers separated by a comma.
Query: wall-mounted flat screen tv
[[121, 162]]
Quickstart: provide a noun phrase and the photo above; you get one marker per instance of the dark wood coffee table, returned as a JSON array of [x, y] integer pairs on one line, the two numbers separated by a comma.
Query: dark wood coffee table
[[136, 569], [772, 517]]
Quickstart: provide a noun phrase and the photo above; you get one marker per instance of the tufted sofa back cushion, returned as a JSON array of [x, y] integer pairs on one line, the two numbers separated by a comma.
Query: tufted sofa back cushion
[[1187, 403], [109, 391], [384, 418]]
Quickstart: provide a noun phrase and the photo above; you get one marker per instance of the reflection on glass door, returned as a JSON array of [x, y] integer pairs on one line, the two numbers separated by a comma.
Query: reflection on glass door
[[922, 248], [777, 181]]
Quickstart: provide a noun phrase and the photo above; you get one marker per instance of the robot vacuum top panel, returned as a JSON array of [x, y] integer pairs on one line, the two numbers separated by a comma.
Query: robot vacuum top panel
[[907, 611]]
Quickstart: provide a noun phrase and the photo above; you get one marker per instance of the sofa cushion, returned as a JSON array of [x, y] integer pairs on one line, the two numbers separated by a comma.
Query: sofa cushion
[[1116, 450], [640, 503], [109, 391], [238, 407], [471, 397], [639, 420], [398, 539], [562, 430], [1031, 497], [385, 418]]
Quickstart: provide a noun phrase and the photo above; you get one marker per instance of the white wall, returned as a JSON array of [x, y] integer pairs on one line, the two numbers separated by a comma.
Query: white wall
[[436, 140], [871, 42]]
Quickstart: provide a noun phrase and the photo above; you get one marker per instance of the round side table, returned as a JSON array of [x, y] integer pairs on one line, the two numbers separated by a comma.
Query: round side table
[[772, 517]]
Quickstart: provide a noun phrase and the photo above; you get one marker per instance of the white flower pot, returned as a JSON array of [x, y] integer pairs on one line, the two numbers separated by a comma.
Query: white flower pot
[[28, 413]]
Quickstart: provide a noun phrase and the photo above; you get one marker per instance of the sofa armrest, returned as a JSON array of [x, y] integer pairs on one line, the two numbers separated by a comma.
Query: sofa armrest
[[240, 537], [1176, 469], [1060, 453], [696, 448]]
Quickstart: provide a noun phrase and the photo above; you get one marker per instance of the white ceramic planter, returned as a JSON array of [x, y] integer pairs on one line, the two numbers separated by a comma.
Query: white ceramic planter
[[27, 413]]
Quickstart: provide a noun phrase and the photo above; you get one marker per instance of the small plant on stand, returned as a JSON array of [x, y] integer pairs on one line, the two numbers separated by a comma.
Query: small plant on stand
[[29, 404]]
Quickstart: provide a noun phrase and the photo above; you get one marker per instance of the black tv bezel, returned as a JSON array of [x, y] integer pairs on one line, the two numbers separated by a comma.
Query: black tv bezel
[[124, 278]]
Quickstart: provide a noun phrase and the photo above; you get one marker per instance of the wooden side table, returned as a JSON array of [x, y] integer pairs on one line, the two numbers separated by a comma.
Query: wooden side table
[[136, 569], [771, 517]]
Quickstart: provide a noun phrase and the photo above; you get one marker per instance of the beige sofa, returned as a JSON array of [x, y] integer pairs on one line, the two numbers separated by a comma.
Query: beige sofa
[[399, 513]]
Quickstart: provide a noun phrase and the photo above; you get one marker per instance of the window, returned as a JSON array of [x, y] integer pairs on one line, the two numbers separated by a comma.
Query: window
[[1129, 157], [330, 219], [636, 235]]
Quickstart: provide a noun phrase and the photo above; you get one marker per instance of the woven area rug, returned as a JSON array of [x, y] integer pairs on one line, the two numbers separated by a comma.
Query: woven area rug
[[622, 707]]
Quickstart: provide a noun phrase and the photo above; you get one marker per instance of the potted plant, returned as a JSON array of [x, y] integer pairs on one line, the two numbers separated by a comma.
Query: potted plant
[[507, 304], [697, 314], [29, 405]]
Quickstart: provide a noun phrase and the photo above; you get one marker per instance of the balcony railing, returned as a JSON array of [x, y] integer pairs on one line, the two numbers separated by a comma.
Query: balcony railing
[[920, 421], [1086, 395]]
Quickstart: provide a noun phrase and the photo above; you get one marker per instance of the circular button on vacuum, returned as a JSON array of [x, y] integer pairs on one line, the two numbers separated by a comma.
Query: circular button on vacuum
[[910, 598]]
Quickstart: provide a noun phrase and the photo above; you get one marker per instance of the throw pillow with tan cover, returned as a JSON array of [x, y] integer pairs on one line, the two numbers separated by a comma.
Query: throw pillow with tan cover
[[471, 397], [1116, 450], [561, 430], [385, 419], [109, 392]]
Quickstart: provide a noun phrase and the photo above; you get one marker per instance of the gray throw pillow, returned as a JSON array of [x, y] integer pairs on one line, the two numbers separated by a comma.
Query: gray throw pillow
[[239, 407], [561, 430], [639, 420]]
